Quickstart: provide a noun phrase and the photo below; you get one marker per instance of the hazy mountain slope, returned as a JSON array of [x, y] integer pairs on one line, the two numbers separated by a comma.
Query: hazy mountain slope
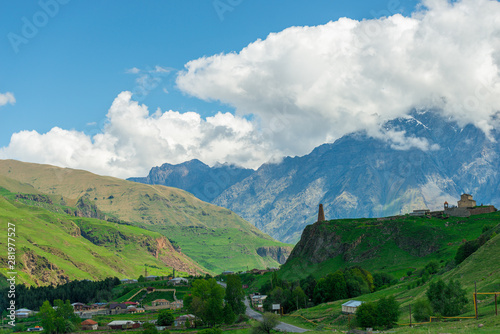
[[214, 237], [53, 248], [204, 182], [359, 176]]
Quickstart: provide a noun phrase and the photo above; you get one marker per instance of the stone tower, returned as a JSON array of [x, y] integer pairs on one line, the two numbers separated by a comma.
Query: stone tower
[[321, 214]]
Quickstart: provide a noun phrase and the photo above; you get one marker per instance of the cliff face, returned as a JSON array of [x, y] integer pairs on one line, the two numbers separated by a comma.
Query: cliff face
[[356, 241], [277, 253]]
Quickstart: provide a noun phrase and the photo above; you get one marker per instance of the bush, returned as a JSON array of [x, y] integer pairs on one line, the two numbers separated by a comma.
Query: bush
[[446, 299], [381, 314], [269, 321], [165, 318], [422, 310], [465, 250]]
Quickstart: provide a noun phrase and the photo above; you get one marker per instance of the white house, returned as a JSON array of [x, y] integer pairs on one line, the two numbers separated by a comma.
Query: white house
[[351, 306]]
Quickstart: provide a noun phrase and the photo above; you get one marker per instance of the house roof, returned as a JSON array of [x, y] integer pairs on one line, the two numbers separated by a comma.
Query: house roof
[[160, 301], [23, 310], [353, 303], [89, 322], [120, 322]]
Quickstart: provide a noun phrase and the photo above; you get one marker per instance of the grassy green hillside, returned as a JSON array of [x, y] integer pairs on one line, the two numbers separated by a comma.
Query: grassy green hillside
[[482, 267], [55, 247], [392, 246], [214, 237]]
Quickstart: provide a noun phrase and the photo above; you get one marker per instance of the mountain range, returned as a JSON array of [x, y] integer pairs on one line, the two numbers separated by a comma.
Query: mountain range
[[357, 176]]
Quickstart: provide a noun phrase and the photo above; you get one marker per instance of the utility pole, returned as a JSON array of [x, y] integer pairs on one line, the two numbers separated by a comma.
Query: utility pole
[[475, 298], [410, 315]]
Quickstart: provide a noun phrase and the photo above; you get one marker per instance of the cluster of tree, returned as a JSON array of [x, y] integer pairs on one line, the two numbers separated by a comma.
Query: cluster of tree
[[213, 305], [469, 247], [77, 291], [383, 313], [345, 283], [424, 274], [442, 299], [58, 319]]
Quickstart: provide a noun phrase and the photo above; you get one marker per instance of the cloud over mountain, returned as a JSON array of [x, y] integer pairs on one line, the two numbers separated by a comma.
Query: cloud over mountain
[[297, 89], [351, 75]]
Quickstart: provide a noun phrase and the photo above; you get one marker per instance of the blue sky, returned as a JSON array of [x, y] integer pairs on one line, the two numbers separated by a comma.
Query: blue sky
[[68, 74], [83, 55]]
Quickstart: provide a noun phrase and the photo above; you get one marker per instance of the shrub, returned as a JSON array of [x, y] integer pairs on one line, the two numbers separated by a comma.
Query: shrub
[[446, 299], [422, 310]]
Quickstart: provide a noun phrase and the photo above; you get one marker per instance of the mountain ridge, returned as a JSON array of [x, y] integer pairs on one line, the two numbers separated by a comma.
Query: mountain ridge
[[424, 161], [208, 234]]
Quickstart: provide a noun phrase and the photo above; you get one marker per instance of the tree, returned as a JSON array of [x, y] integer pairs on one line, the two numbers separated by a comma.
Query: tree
[[465, 250], [229, 316], [165, 318], [269, 321], [299, 298], [235, 294], [381, 280], [446, 299], [149, 328], [366, 315], [207, 302], [387, 312], [381, 314], [422, 310], [59, 320]]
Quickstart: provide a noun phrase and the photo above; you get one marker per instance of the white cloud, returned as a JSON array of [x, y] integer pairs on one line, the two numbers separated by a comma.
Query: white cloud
[[7, 98], [296, 90], [133, 70], [133, 140], [351, 75]]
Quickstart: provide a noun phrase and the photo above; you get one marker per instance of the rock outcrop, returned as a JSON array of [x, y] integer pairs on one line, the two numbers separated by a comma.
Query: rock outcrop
[[279, 254]]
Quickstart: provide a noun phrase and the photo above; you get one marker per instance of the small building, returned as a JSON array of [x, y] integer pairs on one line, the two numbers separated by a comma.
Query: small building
[[351, 306], [123, 324], [227, 272], [24, 313], [117, 307], [181, 321], [466, 201], [89, 325], [128, 281], [160, 302], [151, 278], [150, 289], [420, 213], [178, 281], [80, 307]]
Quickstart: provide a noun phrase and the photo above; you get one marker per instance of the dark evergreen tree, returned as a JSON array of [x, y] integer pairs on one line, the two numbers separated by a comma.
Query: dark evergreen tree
[[235, 294]]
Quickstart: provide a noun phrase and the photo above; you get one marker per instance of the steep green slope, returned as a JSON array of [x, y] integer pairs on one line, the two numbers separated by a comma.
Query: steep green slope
[[214, 237], [482, 267], [53, 248], [393, 246]]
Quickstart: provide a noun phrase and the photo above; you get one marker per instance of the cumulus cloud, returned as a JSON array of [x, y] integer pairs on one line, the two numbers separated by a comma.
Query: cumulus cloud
[[297, 89], [328, 80], [7, 98], [133, 140]]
